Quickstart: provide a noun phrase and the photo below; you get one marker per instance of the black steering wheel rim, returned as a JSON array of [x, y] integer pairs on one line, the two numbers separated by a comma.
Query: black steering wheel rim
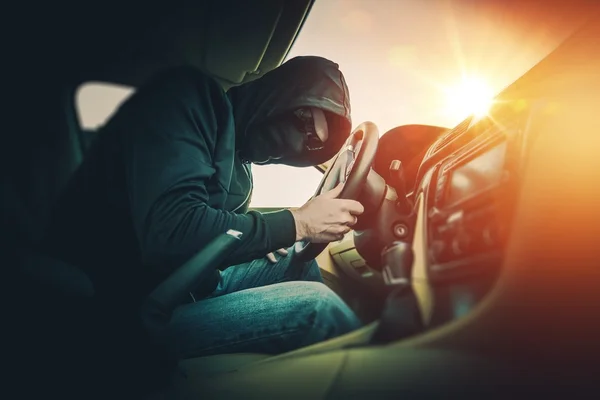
[[362, 144]]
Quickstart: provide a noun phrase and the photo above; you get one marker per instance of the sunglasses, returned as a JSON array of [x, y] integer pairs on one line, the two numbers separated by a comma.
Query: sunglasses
[[305, 123]]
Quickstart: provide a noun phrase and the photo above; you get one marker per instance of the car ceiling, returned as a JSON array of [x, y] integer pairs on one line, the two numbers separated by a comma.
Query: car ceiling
[[127, 41]]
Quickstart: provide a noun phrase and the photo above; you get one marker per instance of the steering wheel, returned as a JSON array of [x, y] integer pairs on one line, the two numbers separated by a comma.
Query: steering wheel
[[351, 167]]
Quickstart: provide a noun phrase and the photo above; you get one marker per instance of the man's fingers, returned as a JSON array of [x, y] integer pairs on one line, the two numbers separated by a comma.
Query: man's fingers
[[352, 220], [340, 229], [337, 236], [271, 257], [352, 206]]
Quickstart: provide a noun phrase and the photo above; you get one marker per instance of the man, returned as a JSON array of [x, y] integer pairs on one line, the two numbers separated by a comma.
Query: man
[[171, 170]]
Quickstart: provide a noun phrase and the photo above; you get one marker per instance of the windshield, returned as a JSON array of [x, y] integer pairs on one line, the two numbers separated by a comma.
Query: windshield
[[406, 62], [430, 61]]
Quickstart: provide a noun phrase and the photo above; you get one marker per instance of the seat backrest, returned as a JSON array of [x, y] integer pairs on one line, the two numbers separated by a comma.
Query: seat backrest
[[88, 137], [37, 159], [37, 162], [64, 335]]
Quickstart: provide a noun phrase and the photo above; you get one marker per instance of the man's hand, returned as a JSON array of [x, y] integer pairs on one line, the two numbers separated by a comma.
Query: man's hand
[[326, 218], [271, 256]]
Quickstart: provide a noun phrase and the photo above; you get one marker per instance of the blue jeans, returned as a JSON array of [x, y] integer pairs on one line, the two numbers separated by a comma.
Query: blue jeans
[[260, 307]]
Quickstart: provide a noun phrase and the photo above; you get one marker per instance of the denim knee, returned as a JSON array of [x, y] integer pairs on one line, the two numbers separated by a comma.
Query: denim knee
[[327, 314]]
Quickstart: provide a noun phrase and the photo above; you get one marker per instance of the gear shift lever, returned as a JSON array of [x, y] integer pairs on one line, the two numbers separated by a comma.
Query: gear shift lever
[[398, 261], [401, 316]]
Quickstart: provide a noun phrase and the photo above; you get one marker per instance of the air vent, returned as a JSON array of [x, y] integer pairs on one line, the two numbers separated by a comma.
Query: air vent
[[450, 136]]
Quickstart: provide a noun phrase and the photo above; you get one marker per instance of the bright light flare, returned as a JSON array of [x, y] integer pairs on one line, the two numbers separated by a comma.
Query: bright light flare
[[472, 96]]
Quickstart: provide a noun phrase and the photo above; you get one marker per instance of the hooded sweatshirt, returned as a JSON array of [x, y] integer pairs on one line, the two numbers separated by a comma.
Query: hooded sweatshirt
[[165, 176]]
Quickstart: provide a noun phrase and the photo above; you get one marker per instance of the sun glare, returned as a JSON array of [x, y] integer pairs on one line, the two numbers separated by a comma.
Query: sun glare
[[472, 96]]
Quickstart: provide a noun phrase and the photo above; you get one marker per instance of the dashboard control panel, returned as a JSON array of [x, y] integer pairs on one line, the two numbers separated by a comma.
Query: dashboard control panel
[[469, 201]]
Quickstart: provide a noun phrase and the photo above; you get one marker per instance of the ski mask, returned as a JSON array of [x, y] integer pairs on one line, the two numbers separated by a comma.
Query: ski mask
[[298, 114]]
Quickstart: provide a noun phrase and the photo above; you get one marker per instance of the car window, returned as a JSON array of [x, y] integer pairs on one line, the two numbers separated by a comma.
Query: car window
[[96, 102], [283, 186], [274, 185]]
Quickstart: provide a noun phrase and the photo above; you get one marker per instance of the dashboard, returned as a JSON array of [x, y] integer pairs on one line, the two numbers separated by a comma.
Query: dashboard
[[455, 219]]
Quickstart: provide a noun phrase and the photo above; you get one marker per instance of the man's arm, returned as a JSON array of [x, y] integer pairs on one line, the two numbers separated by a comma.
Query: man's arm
[[175, 130]]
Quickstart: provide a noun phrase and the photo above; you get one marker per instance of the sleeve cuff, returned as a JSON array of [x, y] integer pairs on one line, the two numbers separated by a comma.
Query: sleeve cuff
[[281, 227]]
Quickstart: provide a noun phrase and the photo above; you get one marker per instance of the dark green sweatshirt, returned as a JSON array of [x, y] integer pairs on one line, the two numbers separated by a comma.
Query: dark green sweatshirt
[[165, 177]]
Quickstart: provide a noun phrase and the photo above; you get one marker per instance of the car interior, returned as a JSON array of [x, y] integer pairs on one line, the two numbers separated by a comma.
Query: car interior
[[474, 267]]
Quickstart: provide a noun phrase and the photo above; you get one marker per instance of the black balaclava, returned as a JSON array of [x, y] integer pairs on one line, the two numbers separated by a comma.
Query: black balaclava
[[266, 126]]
